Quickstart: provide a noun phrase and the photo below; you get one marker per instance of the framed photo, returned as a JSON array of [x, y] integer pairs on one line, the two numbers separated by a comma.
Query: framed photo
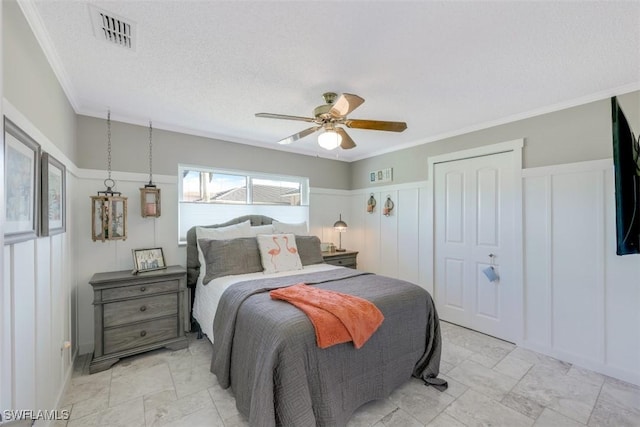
[[148, 259], [53, 189], [21, 184]]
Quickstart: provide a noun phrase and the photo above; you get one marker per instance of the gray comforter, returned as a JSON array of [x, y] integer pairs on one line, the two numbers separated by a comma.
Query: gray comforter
[[266, 350]]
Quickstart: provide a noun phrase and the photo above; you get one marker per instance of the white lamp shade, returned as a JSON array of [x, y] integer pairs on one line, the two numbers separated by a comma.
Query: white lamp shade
[[329, 139]]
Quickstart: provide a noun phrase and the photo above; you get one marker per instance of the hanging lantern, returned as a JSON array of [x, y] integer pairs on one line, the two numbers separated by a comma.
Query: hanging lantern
[[109, 207], [150, 194]]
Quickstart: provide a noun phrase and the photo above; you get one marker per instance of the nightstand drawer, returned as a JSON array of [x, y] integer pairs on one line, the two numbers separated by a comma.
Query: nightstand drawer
[[140, 290], [343, 259], [122, 312], [344, 262], [131, 336]]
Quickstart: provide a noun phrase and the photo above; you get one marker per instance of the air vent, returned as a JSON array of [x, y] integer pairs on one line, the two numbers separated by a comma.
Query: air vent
[[112, 28]]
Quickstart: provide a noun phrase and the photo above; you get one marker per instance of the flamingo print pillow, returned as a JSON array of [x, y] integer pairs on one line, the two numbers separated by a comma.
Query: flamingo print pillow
[[279, 252]]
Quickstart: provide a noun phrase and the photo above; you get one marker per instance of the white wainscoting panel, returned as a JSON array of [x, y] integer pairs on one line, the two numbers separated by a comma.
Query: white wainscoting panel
[[581, 300], [394, 245], [408, 235], [325, 207], [389, 236], [23, 272], [43, 332]]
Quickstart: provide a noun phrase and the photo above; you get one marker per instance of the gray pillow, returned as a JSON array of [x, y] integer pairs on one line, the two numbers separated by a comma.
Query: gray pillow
[[227, 257], [309, 250]]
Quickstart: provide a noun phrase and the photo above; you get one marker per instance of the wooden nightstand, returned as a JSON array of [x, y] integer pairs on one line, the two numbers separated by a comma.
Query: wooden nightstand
[[134, 313], [343, 259]]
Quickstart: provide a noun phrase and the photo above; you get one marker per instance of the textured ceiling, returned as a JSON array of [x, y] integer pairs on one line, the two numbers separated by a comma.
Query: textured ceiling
[[443, 67]]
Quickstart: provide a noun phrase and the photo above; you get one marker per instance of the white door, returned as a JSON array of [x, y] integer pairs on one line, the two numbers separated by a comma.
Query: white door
[[474, 229]]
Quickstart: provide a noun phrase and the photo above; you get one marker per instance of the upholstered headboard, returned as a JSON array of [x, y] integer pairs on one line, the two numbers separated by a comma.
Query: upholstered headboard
[[193, 265]]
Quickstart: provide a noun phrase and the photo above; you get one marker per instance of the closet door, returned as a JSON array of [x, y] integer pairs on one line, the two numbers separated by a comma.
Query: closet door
[[474, 232]]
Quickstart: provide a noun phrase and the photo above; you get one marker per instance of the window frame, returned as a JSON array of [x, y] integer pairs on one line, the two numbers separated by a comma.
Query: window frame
[[249, 176]]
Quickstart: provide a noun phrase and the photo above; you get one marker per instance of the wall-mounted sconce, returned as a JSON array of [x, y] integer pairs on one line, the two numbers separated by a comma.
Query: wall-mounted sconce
[[388, 207], [371, 204], [150, 194], [108, 208]]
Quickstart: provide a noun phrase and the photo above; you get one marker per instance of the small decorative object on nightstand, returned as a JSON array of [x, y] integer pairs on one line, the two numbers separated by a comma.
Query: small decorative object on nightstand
[[137, 313], [340, 226], [346, 258]]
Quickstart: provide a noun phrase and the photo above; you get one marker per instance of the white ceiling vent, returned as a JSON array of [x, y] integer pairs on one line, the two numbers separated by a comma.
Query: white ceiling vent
[[112, 28]]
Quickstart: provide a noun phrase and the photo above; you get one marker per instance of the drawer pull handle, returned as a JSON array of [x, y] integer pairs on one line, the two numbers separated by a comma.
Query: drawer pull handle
[[142, 289], [143, 333], [143, 308]]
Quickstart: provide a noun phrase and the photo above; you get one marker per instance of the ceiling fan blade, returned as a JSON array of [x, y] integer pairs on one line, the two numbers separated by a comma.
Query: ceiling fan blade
[[299, 135], [285, 117], [376, 125], [347, 143], [345, 104]]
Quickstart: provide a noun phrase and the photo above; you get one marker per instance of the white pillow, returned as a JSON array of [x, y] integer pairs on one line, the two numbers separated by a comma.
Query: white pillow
[[234, 231], [279, 252], [300, 229], [262, 229]]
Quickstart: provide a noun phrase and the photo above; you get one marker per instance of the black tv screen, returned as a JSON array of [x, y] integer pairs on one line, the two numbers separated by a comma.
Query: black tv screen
[[627, 182]]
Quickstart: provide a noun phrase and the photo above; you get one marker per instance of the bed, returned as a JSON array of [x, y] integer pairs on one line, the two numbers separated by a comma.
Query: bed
[[266, 350]]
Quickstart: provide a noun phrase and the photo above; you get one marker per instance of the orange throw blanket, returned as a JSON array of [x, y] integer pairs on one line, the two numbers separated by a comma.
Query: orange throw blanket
[[336, 317]]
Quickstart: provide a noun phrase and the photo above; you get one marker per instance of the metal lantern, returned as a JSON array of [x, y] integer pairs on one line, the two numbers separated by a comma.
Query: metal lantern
[[108, 208], [150, 194], [108, 215]]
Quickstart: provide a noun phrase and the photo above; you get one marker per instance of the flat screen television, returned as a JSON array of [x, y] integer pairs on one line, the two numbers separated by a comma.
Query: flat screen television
[[627, 182]]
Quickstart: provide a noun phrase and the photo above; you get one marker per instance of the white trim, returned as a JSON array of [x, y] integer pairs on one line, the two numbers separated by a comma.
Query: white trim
[[549, 250], [566, 168], [579, 360], [46, 144], [575, 102], [37, 26], [42, 36], [330, 191], [514, 146], [391, 187], [100, 174]]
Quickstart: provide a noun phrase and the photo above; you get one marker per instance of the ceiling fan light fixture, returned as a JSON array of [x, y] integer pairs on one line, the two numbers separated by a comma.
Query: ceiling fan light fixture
[[329, 139]]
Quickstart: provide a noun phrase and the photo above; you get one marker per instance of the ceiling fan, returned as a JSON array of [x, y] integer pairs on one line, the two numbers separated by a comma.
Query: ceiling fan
[[327, 117]]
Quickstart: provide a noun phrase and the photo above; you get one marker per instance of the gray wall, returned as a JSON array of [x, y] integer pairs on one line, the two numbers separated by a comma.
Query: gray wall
[[572, 135], [30, 84], [130, 151]]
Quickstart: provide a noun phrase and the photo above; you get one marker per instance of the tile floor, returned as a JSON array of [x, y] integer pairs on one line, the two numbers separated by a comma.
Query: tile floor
[[491, 383]]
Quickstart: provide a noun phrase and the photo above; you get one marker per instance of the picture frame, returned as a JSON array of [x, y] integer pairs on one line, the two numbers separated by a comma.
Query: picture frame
[[21, 185], [53, 210], [148, 260]]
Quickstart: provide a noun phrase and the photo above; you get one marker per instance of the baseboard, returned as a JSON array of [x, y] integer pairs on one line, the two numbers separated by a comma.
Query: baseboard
[[61, 392], [594, 365]]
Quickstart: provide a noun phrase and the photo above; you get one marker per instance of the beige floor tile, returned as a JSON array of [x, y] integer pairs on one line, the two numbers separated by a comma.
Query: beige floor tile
[[145, 381], [568, 395], [372, 412], [421, 402], [162, 414], [201, 418], [484, 380], [617, 405], [550, 418], [127, 414], [398, 418], [476, 409]]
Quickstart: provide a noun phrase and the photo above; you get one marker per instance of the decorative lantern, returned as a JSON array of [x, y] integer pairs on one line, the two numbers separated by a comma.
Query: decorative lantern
[[108, 208], [150, 194]]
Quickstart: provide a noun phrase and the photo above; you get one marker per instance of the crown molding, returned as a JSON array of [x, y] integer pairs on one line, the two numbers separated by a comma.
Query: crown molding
[[597, 96], [32, 15]]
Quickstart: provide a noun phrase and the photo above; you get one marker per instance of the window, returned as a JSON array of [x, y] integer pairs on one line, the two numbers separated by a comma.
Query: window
[[204, 185], [210, 196]]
